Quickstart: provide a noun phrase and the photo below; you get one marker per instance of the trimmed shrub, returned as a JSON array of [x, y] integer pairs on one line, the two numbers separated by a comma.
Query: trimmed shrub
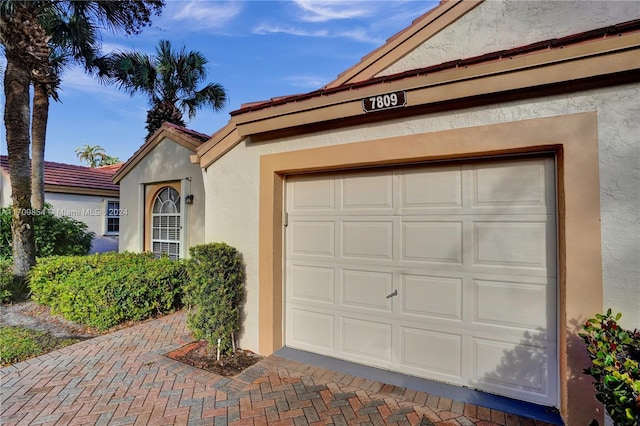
[[54, 235], [615, 359], [6, 281], [214, 293], [104, 290]]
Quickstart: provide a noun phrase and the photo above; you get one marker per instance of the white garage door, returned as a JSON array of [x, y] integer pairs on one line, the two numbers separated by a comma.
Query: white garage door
[[446, 272]]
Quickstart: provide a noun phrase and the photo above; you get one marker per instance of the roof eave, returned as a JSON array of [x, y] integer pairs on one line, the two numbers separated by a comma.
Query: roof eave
[[77, 190], [402, 43], [251, 122], [533, 70], [163, 132]]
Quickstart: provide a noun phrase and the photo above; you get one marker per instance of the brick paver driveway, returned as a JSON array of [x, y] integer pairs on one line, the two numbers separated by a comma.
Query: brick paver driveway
[[124, 378]]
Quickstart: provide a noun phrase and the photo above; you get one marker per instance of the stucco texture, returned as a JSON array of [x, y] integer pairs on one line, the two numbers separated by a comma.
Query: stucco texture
[[167, 162], [233, 210], [499, 25]]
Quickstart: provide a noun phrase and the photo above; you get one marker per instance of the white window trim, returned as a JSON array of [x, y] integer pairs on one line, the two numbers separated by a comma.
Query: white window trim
[[107, 217], [179, 215]]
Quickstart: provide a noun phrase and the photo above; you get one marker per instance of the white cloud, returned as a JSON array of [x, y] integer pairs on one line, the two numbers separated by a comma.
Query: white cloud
[[114, 47], [306, 81], [75, 79], [275, 29], [361, 34], [327, 10], [203, 14], [358, 34]]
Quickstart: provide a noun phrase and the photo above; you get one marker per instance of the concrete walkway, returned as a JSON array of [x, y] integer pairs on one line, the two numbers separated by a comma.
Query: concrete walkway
[[124, 378]]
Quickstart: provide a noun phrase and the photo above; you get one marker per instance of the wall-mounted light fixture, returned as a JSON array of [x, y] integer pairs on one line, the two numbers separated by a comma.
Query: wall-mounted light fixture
[[188, 199]]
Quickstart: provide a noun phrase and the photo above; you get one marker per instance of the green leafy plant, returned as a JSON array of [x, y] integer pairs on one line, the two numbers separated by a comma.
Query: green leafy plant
[[615, 358], [6, 281], [214, 294], [54, 235], [18, 344], [104, 290]]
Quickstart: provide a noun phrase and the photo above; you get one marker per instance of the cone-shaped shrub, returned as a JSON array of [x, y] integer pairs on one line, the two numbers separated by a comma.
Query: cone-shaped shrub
[[214, 293]]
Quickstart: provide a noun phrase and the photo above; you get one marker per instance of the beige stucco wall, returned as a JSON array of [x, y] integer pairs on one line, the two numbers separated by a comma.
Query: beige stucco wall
[[168, 161], [233, 207], [89, 209], [498, 25]]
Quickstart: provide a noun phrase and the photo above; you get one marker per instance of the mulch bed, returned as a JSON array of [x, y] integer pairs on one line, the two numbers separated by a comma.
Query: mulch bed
[[200, 355]]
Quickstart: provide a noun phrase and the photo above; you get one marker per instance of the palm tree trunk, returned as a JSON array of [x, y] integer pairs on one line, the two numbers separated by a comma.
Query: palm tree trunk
[[16, 117], [38, 135]]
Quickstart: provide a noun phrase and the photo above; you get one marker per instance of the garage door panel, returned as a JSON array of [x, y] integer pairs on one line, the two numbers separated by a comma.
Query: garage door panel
[[367, 239], [366, 191], [495, 301], [367, 289], [514, 244], [312, 283], [514, 183], [312, 329], [435, 241], [431, 188], [471, 251], [518, 369], [367, 339], [431, 296], [432, 351], [314, 238], [311, 194]]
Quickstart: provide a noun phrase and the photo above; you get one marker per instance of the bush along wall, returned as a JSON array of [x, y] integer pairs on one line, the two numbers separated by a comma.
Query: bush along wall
[[54, 235], [615, 359], [6, 281], [214, 294], [104, 290]]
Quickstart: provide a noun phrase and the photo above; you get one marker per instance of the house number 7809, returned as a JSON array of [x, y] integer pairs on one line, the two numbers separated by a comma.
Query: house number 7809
[[384, 101]]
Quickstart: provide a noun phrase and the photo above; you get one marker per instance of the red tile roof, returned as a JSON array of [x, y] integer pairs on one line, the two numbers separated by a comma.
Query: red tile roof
[[609, 31], [191, 133], [59, 174], [192, 140]]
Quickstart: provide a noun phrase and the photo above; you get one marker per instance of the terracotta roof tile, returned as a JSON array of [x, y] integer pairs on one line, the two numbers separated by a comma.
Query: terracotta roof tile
[[191, 133], [197, 138], [200, 137], [586, 36], [60, 174]]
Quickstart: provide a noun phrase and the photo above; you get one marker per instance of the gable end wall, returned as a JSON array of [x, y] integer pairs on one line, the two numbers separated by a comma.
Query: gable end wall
[[500, 25]]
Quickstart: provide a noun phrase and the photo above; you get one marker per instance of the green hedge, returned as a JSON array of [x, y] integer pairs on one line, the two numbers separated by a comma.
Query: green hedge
[[6, 281], [214, 293], [54, 235], [104, 290]]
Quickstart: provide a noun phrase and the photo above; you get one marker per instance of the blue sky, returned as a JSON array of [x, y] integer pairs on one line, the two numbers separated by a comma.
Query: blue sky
[[256, 49]]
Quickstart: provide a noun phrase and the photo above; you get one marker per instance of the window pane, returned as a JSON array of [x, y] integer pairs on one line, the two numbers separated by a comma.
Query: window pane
[[169, 208], [113, 208], [113, 224], [165, 222]]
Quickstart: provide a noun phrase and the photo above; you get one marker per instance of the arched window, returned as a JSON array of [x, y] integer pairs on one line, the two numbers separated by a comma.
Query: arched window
[[165, 223]]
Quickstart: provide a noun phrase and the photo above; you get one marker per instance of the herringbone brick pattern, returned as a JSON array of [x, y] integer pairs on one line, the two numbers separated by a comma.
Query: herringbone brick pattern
[[124, 379]]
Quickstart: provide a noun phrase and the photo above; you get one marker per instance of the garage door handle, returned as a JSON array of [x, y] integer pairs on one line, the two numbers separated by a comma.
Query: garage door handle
[[395, 293]]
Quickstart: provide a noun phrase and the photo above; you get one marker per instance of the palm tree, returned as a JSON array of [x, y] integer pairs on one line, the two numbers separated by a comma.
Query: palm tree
[[24, 39], [93, 155], [71, 39], [108, 160], [40, 116], [170, 80], [26, 50]]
